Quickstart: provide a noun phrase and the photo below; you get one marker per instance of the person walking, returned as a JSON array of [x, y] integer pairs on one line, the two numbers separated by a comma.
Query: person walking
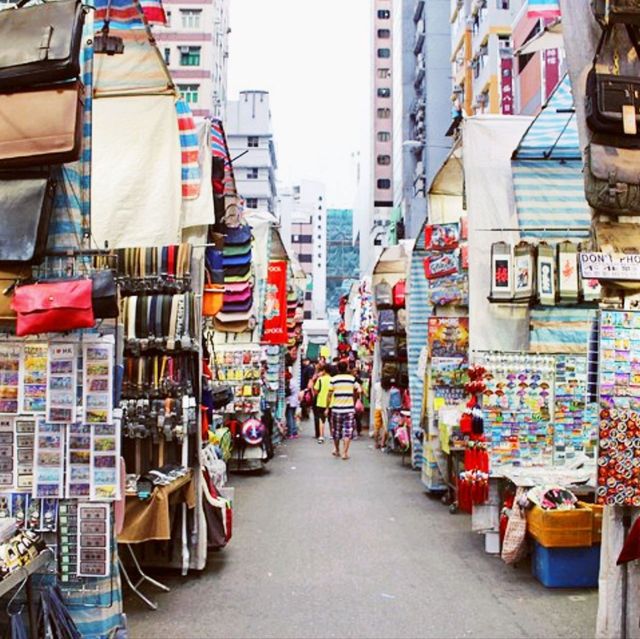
[[293, 402], [342, 401], [307, 372], [320, 405]]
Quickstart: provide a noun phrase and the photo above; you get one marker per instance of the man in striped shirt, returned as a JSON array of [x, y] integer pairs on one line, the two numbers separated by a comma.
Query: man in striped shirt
[[341, 401]]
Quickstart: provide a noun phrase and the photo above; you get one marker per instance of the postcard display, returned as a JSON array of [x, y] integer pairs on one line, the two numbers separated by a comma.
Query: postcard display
[[535, 408], [619, 395], [60, 448]]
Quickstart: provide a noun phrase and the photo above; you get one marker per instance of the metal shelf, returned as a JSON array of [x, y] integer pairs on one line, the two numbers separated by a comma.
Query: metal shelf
[[14, 578]]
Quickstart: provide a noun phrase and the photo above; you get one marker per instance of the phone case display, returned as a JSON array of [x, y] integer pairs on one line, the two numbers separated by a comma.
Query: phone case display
[[242, 370], [574, 429], [94, 524], [34, 388], [10, 365], [446, 264], [517, 406], [61, 383], [49, 460], [97, 382], [25, 429], [7, 462], [619, 391]]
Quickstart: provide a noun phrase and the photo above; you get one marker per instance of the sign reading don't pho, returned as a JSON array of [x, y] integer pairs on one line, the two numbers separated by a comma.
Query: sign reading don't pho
[[617, 266]]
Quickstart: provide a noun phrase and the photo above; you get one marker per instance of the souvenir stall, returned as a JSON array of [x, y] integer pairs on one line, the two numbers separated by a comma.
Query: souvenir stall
[[610, 133], [390, 391]]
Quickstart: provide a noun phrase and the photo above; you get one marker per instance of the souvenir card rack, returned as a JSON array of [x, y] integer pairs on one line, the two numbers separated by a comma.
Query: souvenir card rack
[[619, 398]]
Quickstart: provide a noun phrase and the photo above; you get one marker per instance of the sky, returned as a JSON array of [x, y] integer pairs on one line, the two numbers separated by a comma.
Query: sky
[[313, 58]]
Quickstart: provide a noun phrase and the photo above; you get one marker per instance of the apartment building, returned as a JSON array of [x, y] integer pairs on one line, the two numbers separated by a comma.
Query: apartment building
[[482, 55], [250, 138], [343, 257], [195, 46], [381, 200], [422, 104], [304, 228]]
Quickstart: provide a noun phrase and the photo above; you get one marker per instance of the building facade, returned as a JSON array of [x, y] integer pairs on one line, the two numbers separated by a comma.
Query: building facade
[[342, 256], [250, 139], [482, 55], [195, 46], [381, 198], [304, 228]]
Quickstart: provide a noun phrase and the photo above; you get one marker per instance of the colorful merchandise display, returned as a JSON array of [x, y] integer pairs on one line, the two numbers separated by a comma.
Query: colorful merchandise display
[[619, 384]]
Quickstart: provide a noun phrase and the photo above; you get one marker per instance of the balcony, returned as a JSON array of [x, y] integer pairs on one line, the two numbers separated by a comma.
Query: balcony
[[419, 37], [417, 10], [418, 77]]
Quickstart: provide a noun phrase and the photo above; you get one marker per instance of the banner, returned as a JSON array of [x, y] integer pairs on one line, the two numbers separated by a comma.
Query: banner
[[543, 9], [275, 310]]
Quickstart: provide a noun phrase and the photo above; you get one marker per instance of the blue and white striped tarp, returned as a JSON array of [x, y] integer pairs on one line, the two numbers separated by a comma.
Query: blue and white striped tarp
[[71, 210], [547, 173], [560, 330], [554, 132], [417, 323]]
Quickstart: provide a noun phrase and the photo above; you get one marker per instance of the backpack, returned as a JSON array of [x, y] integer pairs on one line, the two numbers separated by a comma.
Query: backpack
[[388, 349], [387, 322], [399, 291], [401, 320], [403, 376], [402, 348], [616, 11], [382, 294], [395, 399]]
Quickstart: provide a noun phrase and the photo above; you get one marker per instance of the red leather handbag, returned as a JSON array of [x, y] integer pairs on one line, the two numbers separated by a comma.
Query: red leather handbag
[[53, 307]]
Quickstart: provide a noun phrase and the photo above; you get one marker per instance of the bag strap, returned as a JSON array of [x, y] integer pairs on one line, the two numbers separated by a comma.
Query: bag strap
[[632, 32]]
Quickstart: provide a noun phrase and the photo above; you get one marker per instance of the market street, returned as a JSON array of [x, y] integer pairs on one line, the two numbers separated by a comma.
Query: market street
[[328, 548]]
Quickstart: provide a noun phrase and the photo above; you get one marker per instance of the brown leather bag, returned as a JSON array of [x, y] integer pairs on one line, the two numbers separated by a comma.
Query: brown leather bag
[[9, 278], [41, 126]]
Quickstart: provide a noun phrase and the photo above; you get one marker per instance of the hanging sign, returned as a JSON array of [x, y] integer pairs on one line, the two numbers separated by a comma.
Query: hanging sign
[[610, 267], [275, 309]]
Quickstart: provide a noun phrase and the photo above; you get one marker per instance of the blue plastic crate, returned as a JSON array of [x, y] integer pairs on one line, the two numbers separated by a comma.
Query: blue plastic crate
[[566, 567]]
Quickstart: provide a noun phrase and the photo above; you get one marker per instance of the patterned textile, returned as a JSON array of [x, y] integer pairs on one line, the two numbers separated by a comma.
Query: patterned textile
[[342, 425], [123, 14], [154, 12], [189, 146], [219, 149]]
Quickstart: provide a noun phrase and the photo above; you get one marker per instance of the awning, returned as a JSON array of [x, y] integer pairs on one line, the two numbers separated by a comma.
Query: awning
[[547, 173], [550, 37]]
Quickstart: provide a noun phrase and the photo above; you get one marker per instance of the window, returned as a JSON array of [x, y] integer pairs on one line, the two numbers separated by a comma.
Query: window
[[384, 93], [189, 92], [253, 141], [295, 238], [252, 202], [384, 33], [384, 184], [384, 14], [384, 160], [190, 18], [167, 56], [384, 136], [168, 14], [305, 259], [502, 4], [384, 53], [384, 113], [252, 174], [384, 73], [190, 56]]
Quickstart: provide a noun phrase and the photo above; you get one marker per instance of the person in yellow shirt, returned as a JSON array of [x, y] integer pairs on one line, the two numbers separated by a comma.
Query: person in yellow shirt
[[321, 391]]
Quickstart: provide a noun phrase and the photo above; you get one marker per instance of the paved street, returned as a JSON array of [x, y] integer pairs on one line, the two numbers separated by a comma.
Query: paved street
[[328, 548]]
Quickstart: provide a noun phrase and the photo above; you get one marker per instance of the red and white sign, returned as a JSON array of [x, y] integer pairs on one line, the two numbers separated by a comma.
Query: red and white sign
[[274, 330]]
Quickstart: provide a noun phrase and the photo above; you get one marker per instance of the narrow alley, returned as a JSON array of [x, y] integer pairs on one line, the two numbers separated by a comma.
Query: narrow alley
[[328, 548]]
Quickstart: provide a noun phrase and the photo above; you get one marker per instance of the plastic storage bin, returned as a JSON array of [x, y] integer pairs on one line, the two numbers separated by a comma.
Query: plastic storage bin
[[566, 567], [561, 528]]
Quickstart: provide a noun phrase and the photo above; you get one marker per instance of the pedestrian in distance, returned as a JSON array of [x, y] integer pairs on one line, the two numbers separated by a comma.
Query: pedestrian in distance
[[342, 405], [321, 403], [307, 372], [293, 402]]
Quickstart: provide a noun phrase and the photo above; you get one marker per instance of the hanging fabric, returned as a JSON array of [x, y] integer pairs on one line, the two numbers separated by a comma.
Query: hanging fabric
[[546, 274]]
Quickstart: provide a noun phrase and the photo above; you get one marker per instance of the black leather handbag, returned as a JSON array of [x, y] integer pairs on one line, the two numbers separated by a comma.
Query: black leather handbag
[[104, 295], [616, 11], [609, 95], [40, 43], [26, 202]]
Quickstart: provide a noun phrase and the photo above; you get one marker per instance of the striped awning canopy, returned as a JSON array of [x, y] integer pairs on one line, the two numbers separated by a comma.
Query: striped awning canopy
[[547, 173]]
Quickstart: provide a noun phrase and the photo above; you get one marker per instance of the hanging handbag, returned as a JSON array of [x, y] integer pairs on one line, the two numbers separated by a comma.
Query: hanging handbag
[[612, 179], [383, 294], [387, 321], [41, 125], [53, 307], [616, 11], [399, 293], [26, 202], [238, 235], [9, 279], [40, 43], [104, 295], [212, 297], [612, 102], [221, 393]]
